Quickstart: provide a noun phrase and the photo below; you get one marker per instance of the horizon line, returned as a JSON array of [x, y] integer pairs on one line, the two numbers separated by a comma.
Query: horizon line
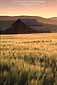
[[26, 15]]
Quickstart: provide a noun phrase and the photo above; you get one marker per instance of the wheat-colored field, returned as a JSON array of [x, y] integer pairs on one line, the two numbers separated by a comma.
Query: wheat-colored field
[[28, 52], [29, 43]]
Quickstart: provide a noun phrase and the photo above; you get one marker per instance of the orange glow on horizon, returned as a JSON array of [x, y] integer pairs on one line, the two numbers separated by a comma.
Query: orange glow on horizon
[[43, 10]]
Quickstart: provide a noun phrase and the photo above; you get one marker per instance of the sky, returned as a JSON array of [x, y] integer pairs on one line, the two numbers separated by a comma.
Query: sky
[[43, 8]]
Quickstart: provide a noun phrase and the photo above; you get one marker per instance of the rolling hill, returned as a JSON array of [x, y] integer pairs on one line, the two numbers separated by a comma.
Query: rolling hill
[[18, 27], [52, 20], [32, 24]]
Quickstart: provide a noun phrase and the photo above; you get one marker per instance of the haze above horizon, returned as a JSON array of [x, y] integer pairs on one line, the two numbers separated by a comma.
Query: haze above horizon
[[42, 8]]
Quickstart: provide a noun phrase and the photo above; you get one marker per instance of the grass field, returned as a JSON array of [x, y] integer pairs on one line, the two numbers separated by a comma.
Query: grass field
[[28, 59]]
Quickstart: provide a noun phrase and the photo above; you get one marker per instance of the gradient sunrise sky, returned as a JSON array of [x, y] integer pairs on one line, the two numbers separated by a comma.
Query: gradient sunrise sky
[[43, 8]]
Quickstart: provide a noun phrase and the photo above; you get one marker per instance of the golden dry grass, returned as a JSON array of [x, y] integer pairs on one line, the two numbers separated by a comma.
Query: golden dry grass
[[35, 44], [27, 44], [17, 51]]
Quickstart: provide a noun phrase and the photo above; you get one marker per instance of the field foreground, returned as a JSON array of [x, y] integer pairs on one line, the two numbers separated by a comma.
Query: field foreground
[[28, 59]]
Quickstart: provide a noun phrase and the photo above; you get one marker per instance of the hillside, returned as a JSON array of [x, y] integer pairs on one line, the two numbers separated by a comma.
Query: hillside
[[21, 27], [16, 28], [32, 24], [52, 20]]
